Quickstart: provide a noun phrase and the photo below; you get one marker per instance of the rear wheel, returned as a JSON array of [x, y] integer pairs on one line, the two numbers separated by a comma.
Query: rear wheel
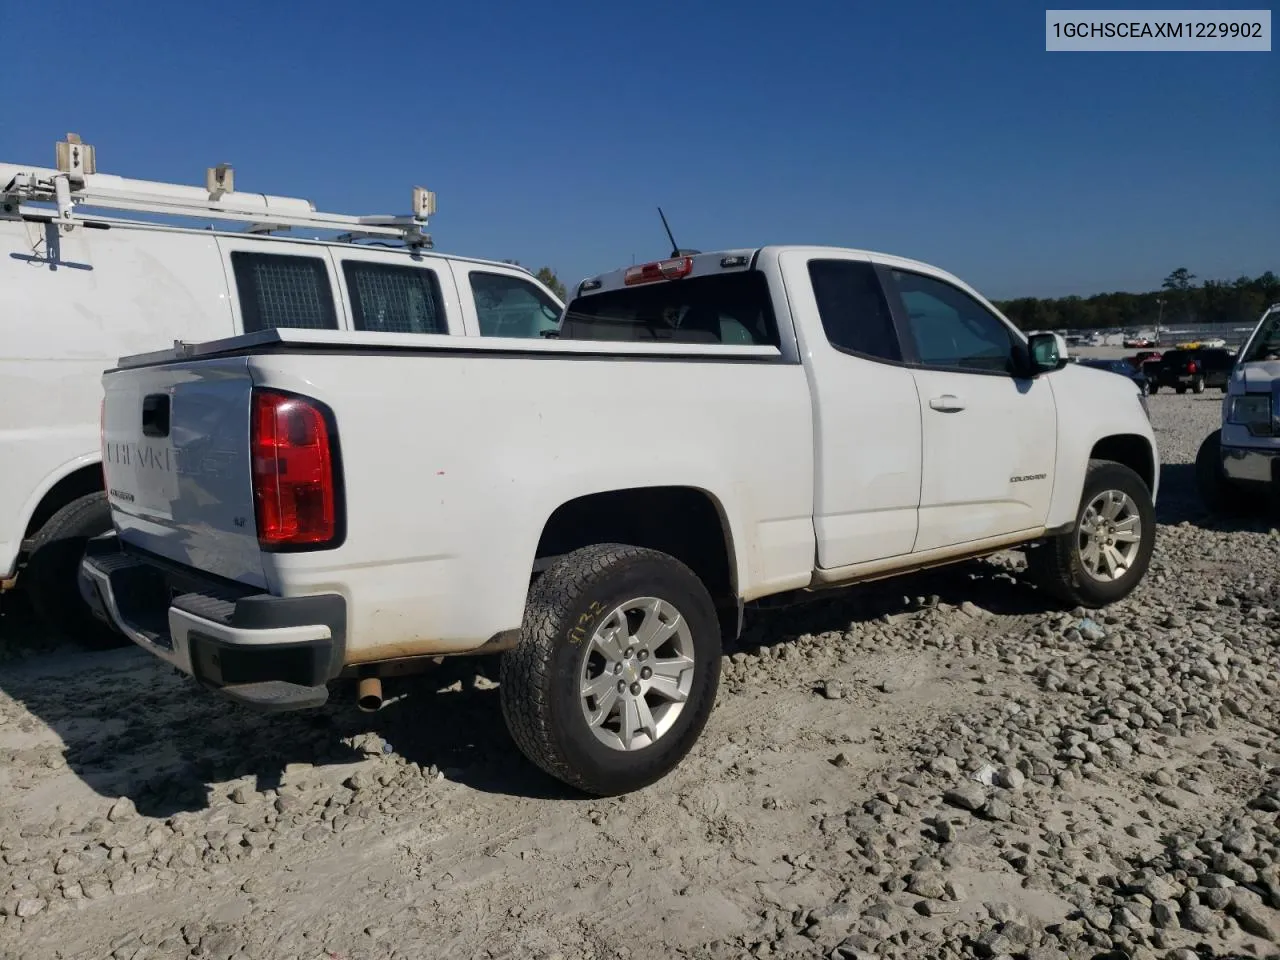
[[1106, 553], [1153, 388], [1197, 385], [616, 669], [52, 575]]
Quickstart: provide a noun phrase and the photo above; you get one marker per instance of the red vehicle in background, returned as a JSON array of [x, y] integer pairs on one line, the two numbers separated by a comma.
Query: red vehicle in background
[[1143, 356]]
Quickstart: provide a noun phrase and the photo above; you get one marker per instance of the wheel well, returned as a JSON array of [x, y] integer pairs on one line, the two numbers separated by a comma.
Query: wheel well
[[682, 521], [1131, 450], [71, 487]]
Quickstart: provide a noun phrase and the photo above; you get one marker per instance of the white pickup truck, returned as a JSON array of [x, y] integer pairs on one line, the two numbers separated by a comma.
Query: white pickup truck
[[299, 507], [1238, 465]]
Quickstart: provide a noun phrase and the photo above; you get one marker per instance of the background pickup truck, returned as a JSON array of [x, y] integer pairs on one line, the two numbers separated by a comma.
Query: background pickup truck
[[1194, 370], [295, 508]]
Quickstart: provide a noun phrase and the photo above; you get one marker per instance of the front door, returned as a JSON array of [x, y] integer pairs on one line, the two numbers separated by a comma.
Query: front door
[[989, 435]]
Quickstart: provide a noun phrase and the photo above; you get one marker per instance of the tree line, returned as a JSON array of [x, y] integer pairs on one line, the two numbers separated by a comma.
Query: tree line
[[1178, 301]]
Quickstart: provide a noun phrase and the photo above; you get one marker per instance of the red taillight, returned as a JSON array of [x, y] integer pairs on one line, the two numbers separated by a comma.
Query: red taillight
[[293, 476], [1191, 366], [660, 270]]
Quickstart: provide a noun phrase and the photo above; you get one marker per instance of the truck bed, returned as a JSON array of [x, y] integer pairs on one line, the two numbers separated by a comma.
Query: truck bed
[[452, 458]]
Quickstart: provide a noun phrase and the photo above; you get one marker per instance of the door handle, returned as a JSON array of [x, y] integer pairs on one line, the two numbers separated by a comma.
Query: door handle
[[155, 415], [947, 403]]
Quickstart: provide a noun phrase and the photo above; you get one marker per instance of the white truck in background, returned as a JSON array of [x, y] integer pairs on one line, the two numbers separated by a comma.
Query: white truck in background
[[300, 508], [82, 285], [1238, 465]]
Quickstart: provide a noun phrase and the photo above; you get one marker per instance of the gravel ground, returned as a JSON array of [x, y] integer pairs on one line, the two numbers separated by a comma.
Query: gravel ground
[[934, 767]]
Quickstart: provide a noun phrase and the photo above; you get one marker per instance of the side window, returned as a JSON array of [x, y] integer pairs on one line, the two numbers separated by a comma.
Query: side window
[[853, 308], [951, 329], [1266, 342], [510, 307], [390, 298], [278, 290]]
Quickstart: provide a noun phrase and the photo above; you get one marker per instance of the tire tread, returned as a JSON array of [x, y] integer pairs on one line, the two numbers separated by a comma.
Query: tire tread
[[58, 602], [1055, 564], [524, 681]]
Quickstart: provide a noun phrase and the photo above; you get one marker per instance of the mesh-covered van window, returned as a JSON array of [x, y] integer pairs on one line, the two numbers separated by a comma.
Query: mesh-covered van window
[[394, 299], [277, 290], [731, 309]]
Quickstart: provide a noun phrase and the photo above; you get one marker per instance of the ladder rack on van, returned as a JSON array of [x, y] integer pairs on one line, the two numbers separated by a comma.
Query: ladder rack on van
[[76, 182]]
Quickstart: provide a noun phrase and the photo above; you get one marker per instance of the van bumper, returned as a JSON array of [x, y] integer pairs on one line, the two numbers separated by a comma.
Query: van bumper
[[270, 653]]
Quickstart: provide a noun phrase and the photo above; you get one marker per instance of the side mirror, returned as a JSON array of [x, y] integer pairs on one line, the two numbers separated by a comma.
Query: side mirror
[[1047, 352]]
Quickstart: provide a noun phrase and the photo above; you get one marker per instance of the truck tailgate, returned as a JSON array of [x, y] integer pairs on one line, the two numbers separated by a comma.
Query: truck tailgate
[[177, 464]]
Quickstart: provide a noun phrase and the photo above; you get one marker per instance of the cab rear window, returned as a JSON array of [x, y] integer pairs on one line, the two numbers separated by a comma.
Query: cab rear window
[[732, 309]]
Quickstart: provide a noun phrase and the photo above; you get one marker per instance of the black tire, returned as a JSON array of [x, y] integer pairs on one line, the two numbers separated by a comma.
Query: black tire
[[1057, 564], [1180, 389], [540, 677], [51, 578], [1219, 495], [1153, 389], [1210, 482], [1197, 385]]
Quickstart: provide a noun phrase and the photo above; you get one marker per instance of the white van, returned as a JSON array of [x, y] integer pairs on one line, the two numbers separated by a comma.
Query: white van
[[81, 285]]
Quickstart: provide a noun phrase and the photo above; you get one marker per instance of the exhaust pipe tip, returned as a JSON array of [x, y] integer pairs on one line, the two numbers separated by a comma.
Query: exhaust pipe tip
[[369, 694]]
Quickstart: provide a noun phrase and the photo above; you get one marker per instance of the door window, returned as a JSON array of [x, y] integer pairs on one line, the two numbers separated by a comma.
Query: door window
[[952, 330], [507, 306], [393, 298], [1266, 342], [853, 308], [278, 290]]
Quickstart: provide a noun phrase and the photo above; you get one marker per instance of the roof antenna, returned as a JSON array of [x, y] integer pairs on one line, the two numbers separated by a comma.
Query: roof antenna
[[675, 250]]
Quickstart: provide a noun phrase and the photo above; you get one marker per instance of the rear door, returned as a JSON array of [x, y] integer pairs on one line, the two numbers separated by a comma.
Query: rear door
[[989, 435], [177, 466], [866, 410]]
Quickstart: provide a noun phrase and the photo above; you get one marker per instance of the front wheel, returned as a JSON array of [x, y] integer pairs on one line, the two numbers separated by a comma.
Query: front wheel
[[1218, 494], [1154, 388], [1108, 549], [616, 668]]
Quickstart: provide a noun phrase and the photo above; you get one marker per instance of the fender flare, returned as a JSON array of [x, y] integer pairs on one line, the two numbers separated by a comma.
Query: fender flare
[[54, 478]]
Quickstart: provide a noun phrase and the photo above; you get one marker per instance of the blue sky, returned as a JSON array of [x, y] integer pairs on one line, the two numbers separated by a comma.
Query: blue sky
[[940, 131]]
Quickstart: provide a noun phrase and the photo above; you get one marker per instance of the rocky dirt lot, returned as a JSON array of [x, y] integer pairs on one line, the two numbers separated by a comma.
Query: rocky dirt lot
[[940, 766]]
